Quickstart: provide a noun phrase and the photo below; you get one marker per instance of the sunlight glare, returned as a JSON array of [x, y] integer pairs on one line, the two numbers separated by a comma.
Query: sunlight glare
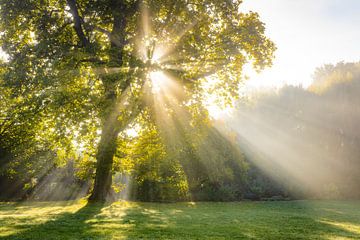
[[158, 80], [159, 52], [216, 112], [132, 132]]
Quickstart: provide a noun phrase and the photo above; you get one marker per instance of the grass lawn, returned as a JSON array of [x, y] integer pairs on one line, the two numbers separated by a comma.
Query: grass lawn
[[128, 220]]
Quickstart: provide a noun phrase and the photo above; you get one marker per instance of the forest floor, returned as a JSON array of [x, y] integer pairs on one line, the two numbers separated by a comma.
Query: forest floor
[[130, 220]]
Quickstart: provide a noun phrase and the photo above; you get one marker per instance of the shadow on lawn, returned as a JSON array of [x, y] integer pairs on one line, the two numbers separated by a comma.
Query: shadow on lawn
[[64, 226]]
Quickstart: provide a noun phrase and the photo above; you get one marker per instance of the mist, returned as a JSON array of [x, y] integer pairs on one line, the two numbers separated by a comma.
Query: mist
[[306, 140]]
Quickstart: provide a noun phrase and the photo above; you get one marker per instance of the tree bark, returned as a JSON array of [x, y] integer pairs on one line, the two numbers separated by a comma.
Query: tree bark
[[111, 126], [77, 23], [106, 151]]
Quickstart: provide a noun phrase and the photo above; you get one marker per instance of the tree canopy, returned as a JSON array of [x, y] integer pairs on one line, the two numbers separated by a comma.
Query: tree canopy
[[83, 71]]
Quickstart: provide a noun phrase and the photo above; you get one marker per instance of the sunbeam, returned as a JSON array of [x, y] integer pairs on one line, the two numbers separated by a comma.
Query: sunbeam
[[158, 81], [303, 140]]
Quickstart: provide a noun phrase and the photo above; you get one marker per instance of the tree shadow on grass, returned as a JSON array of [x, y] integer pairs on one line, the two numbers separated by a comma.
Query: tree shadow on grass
[[64, 226], [259, 220], [148, 221], [171, 221]]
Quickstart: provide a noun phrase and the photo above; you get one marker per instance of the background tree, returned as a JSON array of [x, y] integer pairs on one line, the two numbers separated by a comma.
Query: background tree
[[91, 61], [305, 140]]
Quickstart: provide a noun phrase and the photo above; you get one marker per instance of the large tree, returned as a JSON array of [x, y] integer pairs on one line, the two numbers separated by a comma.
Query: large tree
[[93, 64]]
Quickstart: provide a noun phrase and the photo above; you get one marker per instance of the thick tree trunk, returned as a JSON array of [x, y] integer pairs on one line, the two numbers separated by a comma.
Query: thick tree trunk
[[111, 126], [106, 151]]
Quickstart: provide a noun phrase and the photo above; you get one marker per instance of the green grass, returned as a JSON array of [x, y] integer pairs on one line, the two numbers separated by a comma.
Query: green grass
[[127, 220]]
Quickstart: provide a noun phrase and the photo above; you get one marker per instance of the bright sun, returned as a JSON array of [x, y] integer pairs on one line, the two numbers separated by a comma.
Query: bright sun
[[158, 80], [163, 85]]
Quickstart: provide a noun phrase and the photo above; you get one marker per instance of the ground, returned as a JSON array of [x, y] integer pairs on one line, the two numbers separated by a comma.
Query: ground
[[129, 220]]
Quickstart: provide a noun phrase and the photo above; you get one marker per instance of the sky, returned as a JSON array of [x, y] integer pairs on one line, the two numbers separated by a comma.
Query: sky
[[308, 34]]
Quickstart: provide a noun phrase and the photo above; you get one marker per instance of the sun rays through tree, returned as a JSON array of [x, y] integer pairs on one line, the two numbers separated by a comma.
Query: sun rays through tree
[[91, 67]]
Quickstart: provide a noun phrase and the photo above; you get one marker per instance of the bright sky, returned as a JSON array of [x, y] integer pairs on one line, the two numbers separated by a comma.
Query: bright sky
[[308, 34]]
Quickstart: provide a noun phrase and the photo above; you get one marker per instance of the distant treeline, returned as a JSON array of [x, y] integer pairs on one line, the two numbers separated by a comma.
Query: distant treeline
[[307, 140]]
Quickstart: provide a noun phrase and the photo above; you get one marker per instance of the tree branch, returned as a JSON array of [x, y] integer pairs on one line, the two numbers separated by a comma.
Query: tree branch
[[78, 23]]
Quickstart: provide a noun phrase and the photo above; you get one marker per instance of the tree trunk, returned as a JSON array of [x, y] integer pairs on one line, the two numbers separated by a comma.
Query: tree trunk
[[106, 151], [111, 126]]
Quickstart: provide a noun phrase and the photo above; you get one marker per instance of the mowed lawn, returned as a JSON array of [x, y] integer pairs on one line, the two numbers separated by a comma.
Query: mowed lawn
[[129, 220]]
